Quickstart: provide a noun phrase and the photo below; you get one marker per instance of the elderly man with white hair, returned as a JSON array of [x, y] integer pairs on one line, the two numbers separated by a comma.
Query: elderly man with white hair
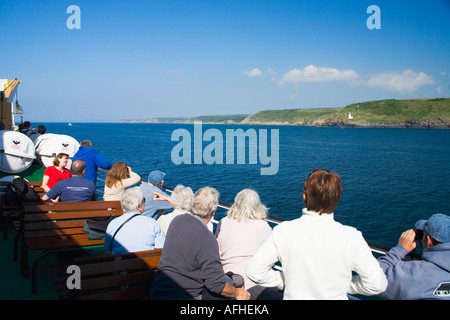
[[133, 232], [190, 266]]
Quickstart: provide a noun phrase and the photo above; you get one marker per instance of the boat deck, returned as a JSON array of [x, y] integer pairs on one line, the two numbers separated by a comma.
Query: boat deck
[[34, 173], [15, 287]]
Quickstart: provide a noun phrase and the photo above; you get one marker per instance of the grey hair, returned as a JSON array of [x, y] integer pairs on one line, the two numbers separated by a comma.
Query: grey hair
[[131, 199], [205, 202], [182, 197], [247, 205]]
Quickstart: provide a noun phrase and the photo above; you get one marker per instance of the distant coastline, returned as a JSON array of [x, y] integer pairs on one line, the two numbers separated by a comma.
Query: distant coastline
[[431, 113]]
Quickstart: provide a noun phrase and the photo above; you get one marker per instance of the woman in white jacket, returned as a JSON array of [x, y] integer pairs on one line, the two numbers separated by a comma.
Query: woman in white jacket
[[318, 254]]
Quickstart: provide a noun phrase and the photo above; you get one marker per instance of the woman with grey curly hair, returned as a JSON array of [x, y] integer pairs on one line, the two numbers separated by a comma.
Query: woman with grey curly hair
[[240, 234]]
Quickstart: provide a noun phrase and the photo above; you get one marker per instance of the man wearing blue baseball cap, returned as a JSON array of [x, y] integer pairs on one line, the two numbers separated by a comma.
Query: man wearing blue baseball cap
[[154, 209], [428, 278]]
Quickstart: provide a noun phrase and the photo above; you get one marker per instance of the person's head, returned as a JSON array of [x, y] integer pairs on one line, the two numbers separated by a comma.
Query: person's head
[[86, 143], [78, 168], [61, 159], [436, 230], [41, 129], [2, 126], [182, 197], [247, 205], [156, 178], [322, 191], [132, 200], [27, 125], [205, 202], [116, 174]]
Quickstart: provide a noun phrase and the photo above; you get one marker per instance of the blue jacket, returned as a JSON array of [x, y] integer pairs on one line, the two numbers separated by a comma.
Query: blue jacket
[[93, 160], [428, 278], [152, 207]]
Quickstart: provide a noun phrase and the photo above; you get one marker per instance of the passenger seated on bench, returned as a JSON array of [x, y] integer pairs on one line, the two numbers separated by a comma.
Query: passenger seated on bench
[[190, 266], [181, 199], [240, 234], [132, 232], [76, 188], [57, 172], [118, 178], [317, 253], [154, 209]]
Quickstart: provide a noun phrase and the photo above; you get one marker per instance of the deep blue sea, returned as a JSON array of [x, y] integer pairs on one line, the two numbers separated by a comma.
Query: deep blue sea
[[391, 177]]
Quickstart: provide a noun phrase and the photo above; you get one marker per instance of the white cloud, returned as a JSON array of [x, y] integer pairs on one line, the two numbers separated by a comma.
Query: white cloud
[[407, 81], [253, 73], [179, 73], [318, 74]]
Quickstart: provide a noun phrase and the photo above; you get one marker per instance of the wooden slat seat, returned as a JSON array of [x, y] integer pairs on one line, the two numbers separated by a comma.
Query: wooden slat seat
[[51, 226], [126, 276]]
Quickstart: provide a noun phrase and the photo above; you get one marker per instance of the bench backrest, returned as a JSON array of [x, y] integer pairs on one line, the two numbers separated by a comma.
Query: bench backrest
[[126, 276], [63, 219]]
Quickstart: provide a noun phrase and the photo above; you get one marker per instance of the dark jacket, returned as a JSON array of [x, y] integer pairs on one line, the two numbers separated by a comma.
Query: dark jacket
[[190, 262]]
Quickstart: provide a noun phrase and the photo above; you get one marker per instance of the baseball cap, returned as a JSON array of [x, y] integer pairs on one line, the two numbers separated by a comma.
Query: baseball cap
[[437, 226], [156, 176]]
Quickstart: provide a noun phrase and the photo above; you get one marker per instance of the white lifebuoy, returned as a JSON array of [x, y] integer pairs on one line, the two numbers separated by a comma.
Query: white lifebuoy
[[49, 145], [17, 151]]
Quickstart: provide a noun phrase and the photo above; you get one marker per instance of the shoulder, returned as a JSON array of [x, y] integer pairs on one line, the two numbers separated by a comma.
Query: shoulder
[[49, 170], [182, 218], [79, 181], [188, 223], [145, 219], [84, 181], [148, 187], [351, 231]]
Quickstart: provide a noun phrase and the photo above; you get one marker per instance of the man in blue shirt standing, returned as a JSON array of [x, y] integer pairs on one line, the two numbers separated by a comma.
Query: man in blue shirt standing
[[93, 159], [76, 188]]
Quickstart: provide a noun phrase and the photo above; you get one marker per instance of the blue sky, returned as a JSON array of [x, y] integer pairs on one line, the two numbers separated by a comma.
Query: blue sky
[[139, 59]]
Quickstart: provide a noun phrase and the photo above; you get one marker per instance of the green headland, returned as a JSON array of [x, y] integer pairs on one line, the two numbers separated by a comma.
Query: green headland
[[392, 113]]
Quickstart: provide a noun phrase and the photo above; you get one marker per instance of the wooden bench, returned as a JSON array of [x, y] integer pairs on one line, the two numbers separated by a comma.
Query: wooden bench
[[126, 276], [55, 226]]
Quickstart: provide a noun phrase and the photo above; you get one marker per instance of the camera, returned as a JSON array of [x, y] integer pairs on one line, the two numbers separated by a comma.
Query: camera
[[419, 235]]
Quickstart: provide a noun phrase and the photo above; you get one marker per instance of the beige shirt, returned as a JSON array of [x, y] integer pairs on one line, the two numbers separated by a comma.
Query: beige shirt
[[115, 193], [165, 219]]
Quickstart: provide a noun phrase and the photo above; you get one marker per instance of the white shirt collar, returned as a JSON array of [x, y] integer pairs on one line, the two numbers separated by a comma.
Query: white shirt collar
[[307, 212]]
